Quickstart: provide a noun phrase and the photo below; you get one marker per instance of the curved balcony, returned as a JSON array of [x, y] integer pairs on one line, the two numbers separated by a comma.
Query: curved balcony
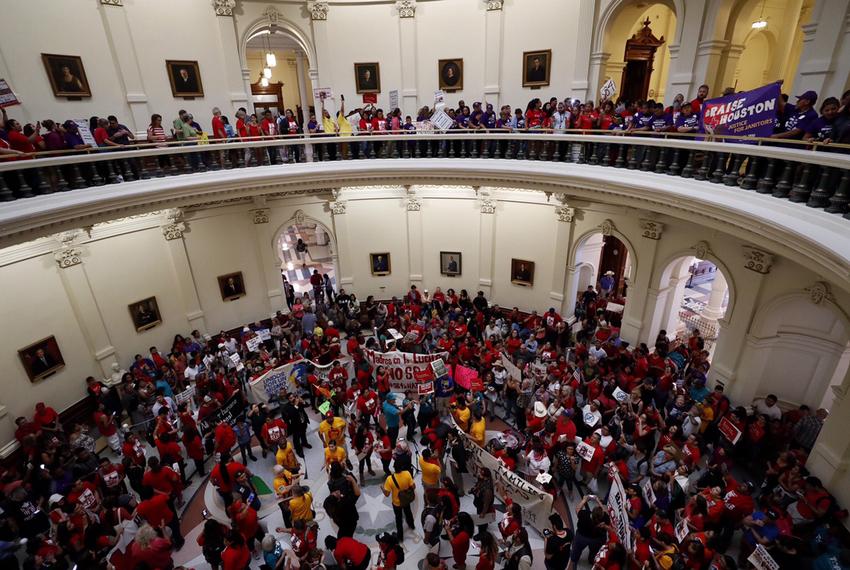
[[785, 197]]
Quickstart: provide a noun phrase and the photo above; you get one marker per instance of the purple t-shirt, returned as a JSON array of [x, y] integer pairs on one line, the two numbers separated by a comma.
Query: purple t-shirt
[[661, 122], [820, 128], [690, 122], [800, 120]]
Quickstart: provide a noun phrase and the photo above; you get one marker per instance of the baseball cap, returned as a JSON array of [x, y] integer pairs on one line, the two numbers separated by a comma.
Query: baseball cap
[[812, 96]]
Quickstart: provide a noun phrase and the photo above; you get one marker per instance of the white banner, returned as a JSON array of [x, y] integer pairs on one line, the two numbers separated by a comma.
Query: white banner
[[442, 121], [535, 502], [762, 560], [322, 93], [407, 370], [393, 99], [511, 368], [269, 384], [608, 89], [618, 510]]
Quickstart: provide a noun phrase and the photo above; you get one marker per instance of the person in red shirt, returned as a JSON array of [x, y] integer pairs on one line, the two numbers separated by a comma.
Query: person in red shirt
[[45, 416], [235, 555], [389, 557], [223, 476], [245, 520], [349, 553], [225, 437], [460, 535], [702, 93], [163, 480], [273, 431], [159, 511]]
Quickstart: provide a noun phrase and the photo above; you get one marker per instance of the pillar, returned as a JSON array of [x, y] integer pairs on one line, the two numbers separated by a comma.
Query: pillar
[[409, 96], [238, 92], [486, 244], [324, 57], [173, 231], [72, 273], [582, 88], [414, 240], [598, 72], [269, 264], [635, 315], [305, 103], [714, 309], [565, 217], [684, 76], [707, 66], [830, 457], [120, 37], [568, 306], [345, 276], [493, 31], [822, 36], [731, 57]]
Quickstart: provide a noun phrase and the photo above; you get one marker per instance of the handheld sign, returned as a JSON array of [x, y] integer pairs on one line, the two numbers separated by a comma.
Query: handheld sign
[[322, 93], [253, 343], [439, 368], [7, 96], [729, 430], [608, 89], [620, 395], [394, 99], [585, 451], [682, 530], [647, 491], [762, 560], [441, 120], [439, 98]]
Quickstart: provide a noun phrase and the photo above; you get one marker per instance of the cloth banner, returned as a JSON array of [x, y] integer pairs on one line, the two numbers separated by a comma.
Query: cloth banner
[[269, 384], [608, 89], [535, 502], [404, 366], [7, 96], [747, 114], [232, 409], [618, 510], [512, 370]]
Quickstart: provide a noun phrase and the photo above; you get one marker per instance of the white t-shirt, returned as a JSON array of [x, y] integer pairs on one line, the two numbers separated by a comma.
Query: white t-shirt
[[773, 412]]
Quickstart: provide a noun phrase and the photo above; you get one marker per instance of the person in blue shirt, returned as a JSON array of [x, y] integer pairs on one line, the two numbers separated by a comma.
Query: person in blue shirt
[[392, 415], [759, 528], [642, 119], [820, 130], [687, 121], [798, 121], [660, 122], [162, 384]]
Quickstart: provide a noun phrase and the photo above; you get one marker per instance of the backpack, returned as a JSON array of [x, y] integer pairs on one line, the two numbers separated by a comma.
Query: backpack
[[399, 552]]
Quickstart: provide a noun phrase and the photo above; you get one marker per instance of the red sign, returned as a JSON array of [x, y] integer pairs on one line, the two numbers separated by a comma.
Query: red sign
[[423, 375], [425, 387], [370, 98], [729, 430], [468, 378]]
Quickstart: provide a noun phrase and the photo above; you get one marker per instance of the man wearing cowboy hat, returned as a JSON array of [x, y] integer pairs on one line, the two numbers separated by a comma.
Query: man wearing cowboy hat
[[606, 283]]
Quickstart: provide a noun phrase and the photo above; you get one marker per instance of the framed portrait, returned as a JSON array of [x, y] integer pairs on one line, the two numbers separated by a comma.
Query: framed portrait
[[380, 263], [367, 77], [232, 286], [185, 78], [450, 73], [67, 75], [41, 359], [536, 66], [450, 263], [522, 272], [145, 314]]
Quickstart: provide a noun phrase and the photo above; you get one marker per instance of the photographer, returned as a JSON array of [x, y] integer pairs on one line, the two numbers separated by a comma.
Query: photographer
[[591, 529]]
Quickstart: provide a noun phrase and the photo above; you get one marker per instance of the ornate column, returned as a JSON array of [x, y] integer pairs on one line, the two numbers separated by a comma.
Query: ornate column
[[269, 264], [597, 73], [228, 39], [565, 217], [305, 104], [173, 228], [120, 37], [493, 31], [821, 35], [731, 57], [830, 457], [319, 19], [340, 221], [582, 87], [486, 243], [707, 65], [407, 38], [414, 238], [69, 260], [638, 308]]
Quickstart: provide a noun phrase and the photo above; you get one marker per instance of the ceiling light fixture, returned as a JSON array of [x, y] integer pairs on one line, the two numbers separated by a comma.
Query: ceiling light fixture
[[267, 72], [271, 60], [761, 23]]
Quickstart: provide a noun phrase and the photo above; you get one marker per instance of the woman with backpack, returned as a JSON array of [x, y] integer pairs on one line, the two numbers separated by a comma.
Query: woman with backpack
[[211, 541], [391, 553]]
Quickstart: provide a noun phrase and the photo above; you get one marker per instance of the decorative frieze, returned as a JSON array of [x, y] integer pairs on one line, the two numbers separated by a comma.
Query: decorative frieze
[[406, 8], [112, 2], [224, 7], [757, 260], [819, 292], [318, 10], [651, 228], [68, 256], [565, 214], [272, 15], [701, 250], [338, 207], [299, 218], [173, 231], [608, 228], [260, 215]]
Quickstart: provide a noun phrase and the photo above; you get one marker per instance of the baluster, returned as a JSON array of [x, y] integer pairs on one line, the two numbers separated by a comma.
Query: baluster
[[451, 146], [750, 179], [719, 169], [441, 148], [6, 195], [417, 148], [473, 148], [765, 185], [240, 159], [594, 154], [838, 201], [129, 175], [675, 168], [821, 194], [143, 172], [622, 152], [556, 151], [520, 152], [532, 150], [302, 152], [43, 186], [510, 149], [61, 183], [632, 162], [661, 163], [606, 154], [157, 172], [24, 189], [463, 145], [264, 152], [76, 180], [337, 150], [800, 191], [646, 163], [688, 170], [582, 155], [371, 150], [385, 149], [731, 178], [345, 148], [96, 178], [395, 144], [783, 187], [405, 148], [703, 170]]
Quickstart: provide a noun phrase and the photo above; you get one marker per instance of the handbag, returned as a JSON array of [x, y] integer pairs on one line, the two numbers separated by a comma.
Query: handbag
[[405, 496]]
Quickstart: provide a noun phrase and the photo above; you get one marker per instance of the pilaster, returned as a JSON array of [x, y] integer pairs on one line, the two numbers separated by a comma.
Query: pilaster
[[582, 85], [269, 264], [564, 233], [597, 72], [821, 37], [321, 39], [229, 44], [414, 238], [343, 243], [493, 31], [173, 229], [406, 9], [486, 244], [830, 457]]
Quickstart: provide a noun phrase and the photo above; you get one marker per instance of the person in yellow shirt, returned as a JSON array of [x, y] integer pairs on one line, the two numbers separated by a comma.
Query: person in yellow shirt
[[461, 414], [283, 483], [285, 456], [301, 504], [332, 427], [430, 470], [478, 428], [334, 454], [394, 485], [706, 414]]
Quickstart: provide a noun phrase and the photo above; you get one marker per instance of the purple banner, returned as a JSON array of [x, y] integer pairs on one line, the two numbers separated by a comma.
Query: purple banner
[[747, 114]]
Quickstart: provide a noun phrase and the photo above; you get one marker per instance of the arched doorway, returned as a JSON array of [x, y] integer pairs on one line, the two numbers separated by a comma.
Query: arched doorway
[[599, 260], [692, 294], [298, 263], [636, 39], [287, 80]]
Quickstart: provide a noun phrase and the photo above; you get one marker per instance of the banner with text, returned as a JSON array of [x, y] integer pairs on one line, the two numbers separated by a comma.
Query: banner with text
[[289, 375], [618, 509], [407, 371], [232, 409], [747, 114]]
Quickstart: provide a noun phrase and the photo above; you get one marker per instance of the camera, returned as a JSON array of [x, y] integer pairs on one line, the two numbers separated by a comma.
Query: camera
[[547, 533]]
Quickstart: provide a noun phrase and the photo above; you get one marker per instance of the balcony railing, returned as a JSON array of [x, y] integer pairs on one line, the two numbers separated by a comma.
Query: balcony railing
[[816, 175]]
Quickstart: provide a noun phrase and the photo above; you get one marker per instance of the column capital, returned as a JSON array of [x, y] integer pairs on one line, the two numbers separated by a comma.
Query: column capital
[[406, 8], [260, 216], [488, 206], [819, 292], [272, 15], [413, 204], [757, 260], [651, 228], [112, 2], [599, 57], [69, 256], [701, 249], [318, 10], [565, 214], [338, 207], [493, 4], [173, 231], [223, 7]]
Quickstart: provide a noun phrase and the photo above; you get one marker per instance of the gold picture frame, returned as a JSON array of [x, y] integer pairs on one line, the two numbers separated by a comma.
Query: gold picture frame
[[67, 75], [185, 78], [41, 359], [380, 264], [367, 77], [450, 74], [231, 286], [522, 272], [536, 68]]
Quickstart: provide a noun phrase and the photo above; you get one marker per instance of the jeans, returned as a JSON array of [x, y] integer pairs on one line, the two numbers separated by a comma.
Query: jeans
[[408, 516], [580, 543]]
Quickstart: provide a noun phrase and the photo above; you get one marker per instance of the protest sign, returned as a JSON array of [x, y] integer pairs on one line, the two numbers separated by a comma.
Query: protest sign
[[370, 98], [729, 430], [185, 396], [85, 132], [511, 368], [618, 510], [747, 114], [441, 120], [402, 367], [264, 334], [585, 451], [762, 560], [232, 409], [287, 376], [7, 96], [467, 378], [394, 99], [647, 491], [682, 530], [253, 343], [608, 89], [620, 395], [234, 359], [536, 503], [439, 98], [439, 368], [322, 93]]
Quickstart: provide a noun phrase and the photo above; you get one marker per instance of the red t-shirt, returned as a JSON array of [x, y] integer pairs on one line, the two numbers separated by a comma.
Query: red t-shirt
[[105, 424], [100, 136], [19, 141], [166, 480], [235, 558], [218, 128], [155, 510], [350, 551]]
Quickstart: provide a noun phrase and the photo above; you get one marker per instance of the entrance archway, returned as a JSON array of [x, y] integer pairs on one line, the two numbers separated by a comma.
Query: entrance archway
[[317, 254], [592, 257]]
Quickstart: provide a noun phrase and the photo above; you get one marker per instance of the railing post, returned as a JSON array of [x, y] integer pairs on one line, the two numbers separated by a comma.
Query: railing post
[[750, 179], [24, 188], [688, 170], [594, 154], [784, 185], [622, 151], [821, 194], [371, 149], [61, 183], [582, 156], [765, 184], [632, 163], [800, 191], [661, 163], [838, 201], [76, 180], [719, 169], [96, 178], [731, 178], [705, 165], [544, 151], [43, 186], [158, 173], [6, 195], [674, 169]]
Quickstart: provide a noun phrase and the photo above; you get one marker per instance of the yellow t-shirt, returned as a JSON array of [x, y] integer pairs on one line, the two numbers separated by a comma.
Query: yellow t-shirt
[[344, 125], [285, 480], [405, 481], [302, 507], [707, 416], [333, 431], [286, 457], [430, 472], [462, 417], [477, 431], [338, 456], [328, 125]]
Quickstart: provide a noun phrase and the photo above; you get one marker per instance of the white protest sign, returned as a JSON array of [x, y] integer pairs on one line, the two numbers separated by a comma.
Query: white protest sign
[[395, 334], [647, 491], [441, 120], [620, 395], [394, 99], [406, 370], [439, 98], [264, 334], [7, 96], [682, 530], [85, 132], [423, 127], [234, 358], [618, 510], [322, 93], [585, 451], [761, 559], [512, 370], [608, 89], [439, 368], [253, 343]]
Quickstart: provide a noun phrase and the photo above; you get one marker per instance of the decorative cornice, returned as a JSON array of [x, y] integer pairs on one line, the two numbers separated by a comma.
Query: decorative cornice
[[318, 10], [701, 249], [338, 207], [173, 231], [565, 214], [68, 256], [607, 227], [757, 260], [406, 8], [112, 2], [651, 228], [488, 206], [413, 204], [261, 215], [819, 292], [224, 7], [494, 4]]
